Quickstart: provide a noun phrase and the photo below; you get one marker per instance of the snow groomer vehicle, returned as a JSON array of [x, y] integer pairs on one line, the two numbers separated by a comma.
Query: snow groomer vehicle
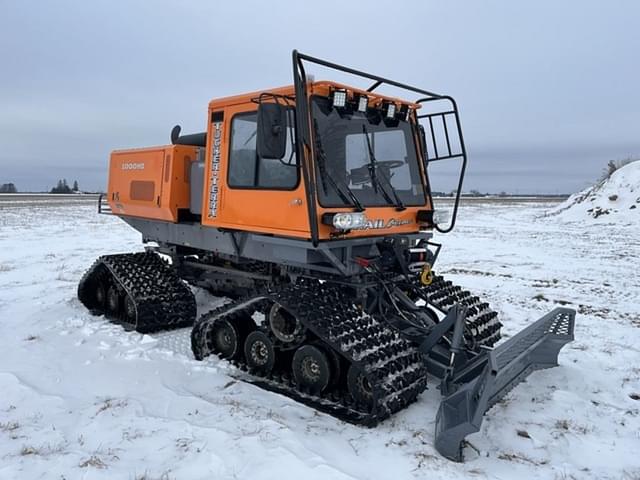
[[310, 207]]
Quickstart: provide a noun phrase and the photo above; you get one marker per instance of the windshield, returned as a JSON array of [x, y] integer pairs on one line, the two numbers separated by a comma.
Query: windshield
[[381, 170]]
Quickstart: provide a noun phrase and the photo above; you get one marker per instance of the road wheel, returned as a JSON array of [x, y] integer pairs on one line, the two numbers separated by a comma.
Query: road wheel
[[226, 339], [259, 352], [359, 386], [311, 368], [113, 300]]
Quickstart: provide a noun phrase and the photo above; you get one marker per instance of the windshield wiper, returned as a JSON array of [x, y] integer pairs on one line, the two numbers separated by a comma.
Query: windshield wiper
[[373, 173], [324, 174]]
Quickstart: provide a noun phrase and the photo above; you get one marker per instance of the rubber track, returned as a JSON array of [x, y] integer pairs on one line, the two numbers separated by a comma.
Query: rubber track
[[482, 321], [393, 366], [162, 300]]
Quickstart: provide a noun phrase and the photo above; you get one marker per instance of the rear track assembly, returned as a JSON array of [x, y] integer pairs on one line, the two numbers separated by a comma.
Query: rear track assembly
[[138, 290]]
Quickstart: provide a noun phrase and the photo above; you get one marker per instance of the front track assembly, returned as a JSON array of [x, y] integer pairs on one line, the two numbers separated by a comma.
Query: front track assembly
[[373, 372], [482, 324]]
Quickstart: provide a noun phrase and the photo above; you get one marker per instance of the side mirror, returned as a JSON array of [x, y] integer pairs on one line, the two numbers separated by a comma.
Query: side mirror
[[271, 141], [423, 142]]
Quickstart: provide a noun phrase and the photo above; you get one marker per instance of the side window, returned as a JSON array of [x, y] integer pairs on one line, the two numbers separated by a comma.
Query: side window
[[243, 158], [247, 170]]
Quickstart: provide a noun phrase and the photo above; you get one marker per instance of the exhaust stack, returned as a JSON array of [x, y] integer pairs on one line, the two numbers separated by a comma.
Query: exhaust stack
[[193, 139]]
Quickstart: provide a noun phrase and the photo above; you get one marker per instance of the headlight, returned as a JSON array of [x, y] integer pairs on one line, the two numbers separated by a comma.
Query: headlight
[[345, 221], [440, 216]]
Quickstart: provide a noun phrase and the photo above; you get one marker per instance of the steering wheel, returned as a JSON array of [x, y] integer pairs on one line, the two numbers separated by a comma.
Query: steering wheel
[[389, 164], [360, 175]]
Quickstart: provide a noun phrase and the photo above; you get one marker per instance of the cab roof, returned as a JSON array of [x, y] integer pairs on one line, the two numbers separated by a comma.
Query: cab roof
[[321, 87]]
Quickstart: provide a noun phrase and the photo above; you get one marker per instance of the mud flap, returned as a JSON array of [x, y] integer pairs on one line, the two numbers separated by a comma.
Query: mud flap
[[534, 348]]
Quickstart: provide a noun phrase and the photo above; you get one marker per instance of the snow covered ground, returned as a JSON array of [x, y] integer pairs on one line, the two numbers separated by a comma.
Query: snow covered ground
[[81, 398], [613, 199]]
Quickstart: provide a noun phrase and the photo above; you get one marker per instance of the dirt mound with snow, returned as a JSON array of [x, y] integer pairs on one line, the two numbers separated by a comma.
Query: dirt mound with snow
[[616, 197]]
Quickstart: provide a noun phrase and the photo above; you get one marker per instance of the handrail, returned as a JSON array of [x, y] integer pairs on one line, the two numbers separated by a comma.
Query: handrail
[[103, 207], [450, 155], [303, 130]]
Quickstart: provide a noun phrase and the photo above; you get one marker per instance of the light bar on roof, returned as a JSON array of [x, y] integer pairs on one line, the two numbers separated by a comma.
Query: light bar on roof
[[389, 109], [363, 103], [340, 98], [404, 113]]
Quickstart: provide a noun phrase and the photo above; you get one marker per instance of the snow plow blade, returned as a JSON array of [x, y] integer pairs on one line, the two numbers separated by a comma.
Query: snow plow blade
[[492, 375]]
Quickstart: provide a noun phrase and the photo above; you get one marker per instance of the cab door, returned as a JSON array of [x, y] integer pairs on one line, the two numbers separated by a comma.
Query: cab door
[[247, 192]]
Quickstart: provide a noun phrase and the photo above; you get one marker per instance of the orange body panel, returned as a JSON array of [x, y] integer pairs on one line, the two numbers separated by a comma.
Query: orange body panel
[[280, 212], [151, 182], [277, 212]]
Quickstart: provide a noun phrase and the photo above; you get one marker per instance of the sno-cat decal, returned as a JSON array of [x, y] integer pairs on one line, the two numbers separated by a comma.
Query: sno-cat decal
[[380, 223]]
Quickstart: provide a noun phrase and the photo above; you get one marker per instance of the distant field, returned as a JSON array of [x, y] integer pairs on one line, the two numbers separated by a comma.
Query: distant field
[[500, 200], [503, 200], [14, 200]]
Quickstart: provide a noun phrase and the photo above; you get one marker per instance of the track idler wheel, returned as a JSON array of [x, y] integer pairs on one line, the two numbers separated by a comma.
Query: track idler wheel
[[130, 310], [226, 339], [359, 386], [312, 368], [113, 301], [259, 353], [100, 295]]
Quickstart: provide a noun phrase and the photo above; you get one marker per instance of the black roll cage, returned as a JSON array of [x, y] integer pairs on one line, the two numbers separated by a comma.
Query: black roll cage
[[305, 150]]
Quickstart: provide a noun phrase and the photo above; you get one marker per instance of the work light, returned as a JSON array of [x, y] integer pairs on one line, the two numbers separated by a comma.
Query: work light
[[440, 216], [407, 116], [363, 102], [404, 112], [340, 98], [389, 109]]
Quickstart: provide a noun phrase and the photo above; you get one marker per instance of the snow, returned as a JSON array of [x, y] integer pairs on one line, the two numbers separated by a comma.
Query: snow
[[616, 198], [82, 398]]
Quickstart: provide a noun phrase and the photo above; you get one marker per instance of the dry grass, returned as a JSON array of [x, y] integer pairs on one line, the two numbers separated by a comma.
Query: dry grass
[[147, 476], [93, 461], [9, 426], [573, 427], [110, 404], [42, 451], [518, 457], [29, 450]]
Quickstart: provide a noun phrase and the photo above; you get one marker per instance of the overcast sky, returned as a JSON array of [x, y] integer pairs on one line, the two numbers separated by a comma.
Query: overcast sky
[[548, 91]]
